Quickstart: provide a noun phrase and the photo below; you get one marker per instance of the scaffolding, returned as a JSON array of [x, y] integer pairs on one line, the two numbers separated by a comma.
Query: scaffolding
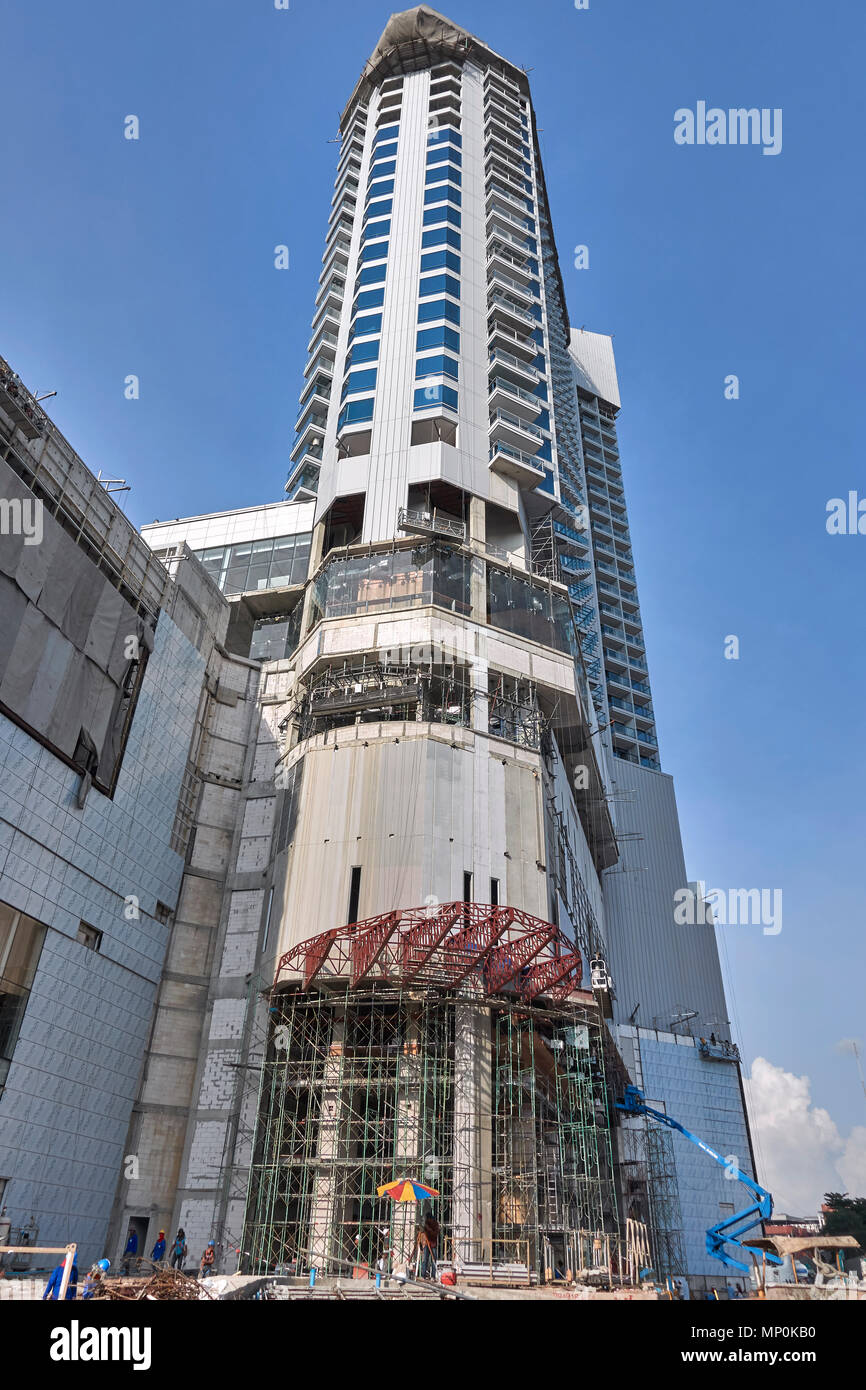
[[489, 1088]]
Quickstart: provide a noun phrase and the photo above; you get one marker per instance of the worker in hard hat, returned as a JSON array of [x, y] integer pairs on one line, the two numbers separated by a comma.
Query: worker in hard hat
[[157, 1254], [206, 1266], [94, 1276], [52, 1288]]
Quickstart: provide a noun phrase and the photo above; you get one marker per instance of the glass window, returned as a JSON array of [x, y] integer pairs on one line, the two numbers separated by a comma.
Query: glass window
[[440, 365], [381, 189], [424, 574], [369, 299], [441, 336], [281, 565], [530, 610], [438, 309], [363, 326], [382, 168], [443, 172], [355, 411], [435, 394], [443, 136], [443, 192], [385, 151], [438, 156], [444, 213], [379, 209], [375, 230], [374, 251], [442, 235], [440, 260], [371, 273], [388, 132], [238, 569], [360, 381], [364, 352], [439, 284]]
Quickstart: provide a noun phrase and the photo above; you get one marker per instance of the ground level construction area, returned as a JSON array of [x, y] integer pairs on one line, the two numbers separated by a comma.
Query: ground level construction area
[[489, 1090]]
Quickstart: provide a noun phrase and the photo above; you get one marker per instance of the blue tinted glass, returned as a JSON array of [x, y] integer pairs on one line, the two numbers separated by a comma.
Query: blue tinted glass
[[370, 299], [440, 260], [443, 135], [441, 336], [360, 381], [441, 193], [378, 190], [435, 394], [371, 324], [440, 365], [441, 235], [374, 251], [379, 209], [374, 230], [364, 352], [354, 411], [441, 172], [371, 273], [441, 214], [433, 309], [439, 284], [436, 156]]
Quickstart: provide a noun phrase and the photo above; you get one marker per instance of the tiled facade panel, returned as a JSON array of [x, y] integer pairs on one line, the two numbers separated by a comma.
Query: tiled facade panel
[[65, 1109], [705, 1097]]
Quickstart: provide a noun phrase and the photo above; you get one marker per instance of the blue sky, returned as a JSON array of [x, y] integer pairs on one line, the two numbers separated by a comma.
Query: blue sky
[[156, 258]]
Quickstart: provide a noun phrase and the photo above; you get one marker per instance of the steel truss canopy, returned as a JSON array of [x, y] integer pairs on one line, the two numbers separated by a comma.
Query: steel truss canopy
[[472, 946]]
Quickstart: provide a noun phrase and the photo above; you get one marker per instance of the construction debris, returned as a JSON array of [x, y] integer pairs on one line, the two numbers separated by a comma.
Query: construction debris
[[162, 1285]]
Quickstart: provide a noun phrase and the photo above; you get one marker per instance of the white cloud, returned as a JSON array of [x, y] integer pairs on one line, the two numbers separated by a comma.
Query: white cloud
[[799, 1150]]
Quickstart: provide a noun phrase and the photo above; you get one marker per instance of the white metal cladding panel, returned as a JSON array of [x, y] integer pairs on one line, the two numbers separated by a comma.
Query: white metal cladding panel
[[704, 1096], [232, 528], [332, 470], [664, 966], [65, 1109], [389, 452]]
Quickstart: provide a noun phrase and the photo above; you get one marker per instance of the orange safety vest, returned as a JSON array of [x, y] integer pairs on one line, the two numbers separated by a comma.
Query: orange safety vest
[[207, 1257]]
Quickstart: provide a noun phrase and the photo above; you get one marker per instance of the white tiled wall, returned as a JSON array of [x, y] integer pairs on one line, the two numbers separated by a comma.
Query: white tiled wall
[[65, 1109]]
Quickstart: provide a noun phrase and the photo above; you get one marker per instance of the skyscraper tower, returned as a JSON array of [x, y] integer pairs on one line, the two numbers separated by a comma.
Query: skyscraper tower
[[470, 831]]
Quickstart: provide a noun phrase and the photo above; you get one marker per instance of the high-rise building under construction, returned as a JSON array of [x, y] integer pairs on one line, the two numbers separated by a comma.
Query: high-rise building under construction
[[425, 926]]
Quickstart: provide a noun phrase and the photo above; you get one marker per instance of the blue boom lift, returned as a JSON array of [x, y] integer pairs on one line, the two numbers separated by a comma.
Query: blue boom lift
[[729, 1231]]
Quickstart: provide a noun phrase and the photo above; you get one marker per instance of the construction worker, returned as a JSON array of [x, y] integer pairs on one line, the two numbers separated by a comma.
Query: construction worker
[[52, 1288], [94, 1276], [207, 1259], [178, 1249], [157, 1254], [131, 1250]]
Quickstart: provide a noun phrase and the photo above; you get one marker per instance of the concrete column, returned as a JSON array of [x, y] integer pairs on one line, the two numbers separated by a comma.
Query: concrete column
[[478, 540], [409, 1136], [472, 1216], [330, 1146]]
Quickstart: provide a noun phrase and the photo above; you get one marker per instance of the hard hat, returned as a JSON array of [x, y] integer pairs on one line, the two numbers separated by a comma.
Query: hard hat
[[104, 1265], [210, 1242]]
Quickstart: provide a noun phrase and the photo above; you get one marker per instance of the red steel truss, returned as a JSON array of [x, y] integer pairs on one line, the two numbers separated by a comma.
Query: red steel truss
[[490, 948]]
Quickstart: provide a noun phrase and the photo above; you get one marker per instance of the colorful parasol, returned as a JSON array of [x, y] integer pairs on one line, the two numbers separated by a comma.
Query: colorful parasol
[[406, 1190]]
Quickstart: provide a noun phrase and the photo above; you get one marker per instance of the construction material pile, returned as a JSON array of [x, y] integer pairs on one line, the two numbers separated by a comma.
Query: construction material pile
[[162, 1285]]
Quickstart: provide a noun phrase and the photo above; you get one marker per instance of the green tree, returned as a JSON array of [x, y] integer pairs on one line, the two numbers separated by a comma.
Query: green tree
[[845, 1216]]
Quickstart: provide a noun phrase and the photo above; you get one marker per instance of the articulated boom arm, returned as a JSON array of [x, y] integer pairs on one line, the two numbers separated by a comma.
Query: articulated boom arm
[[731, 1230]]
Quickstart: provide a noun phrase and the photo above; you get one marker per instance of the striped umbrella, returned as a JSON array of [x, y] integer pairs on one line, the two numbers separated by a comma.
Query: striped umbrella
[[406, 1190]]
